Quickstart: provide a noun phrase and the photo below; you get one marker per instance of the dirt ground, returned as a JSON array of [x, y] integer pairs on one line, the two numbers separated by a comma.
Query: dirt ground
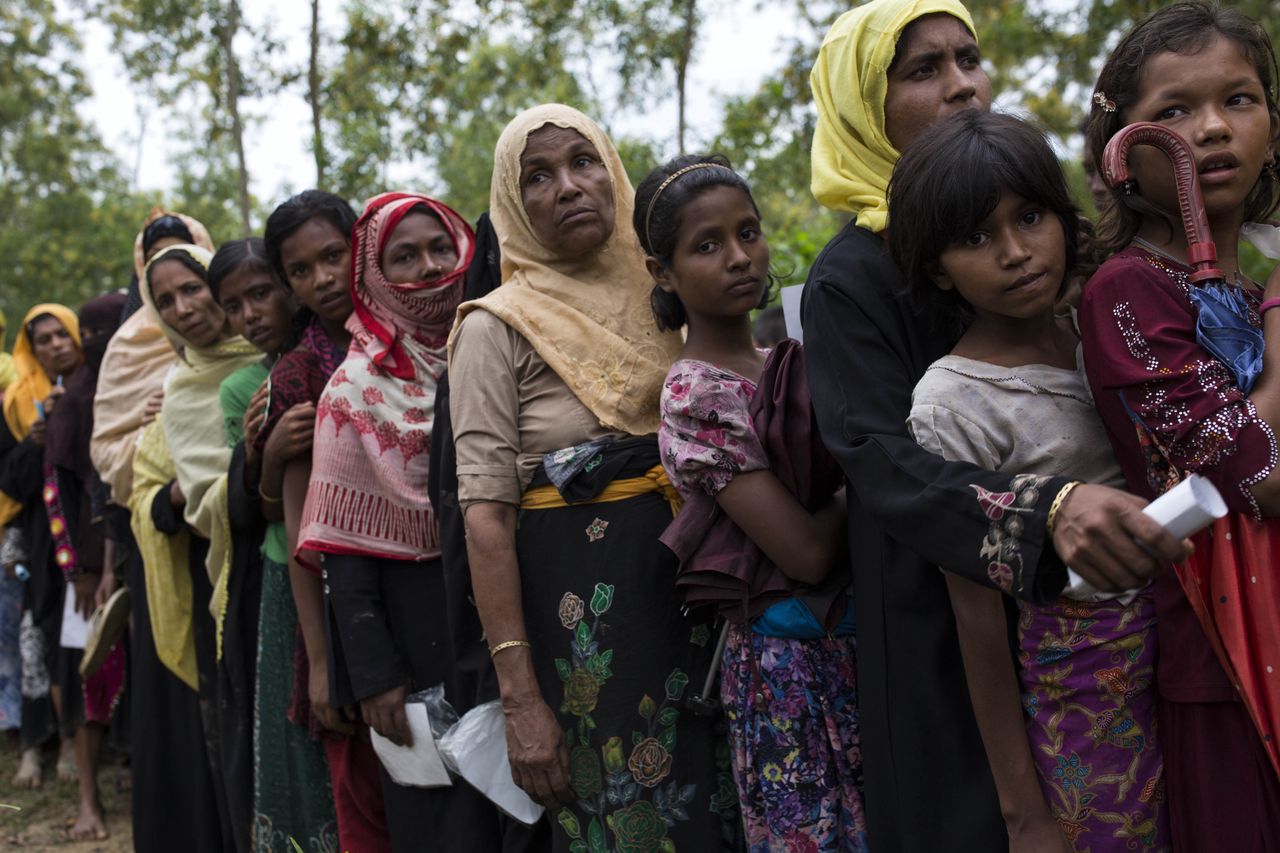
[[38, 820]]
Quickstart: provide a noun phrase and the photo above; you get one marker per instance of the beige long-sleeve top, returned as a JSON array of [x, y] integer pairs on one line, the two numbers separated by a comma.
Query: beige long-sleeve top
[[508, 408]]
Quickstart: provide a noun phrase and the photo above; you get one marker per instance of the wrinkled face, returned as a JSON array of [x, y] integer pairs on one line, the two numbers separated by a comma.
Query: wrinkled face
[[1215, 101], [419, 249], [1012, 265], [566, 192], [258, 307], [54, 348], [317, 266], [183, 300], [936, 73], [720, 264]]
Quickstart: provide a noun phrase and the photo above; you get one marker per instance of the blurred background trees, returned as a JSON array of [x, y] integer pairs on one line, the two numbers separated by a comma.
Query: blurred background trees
[[423, 88]]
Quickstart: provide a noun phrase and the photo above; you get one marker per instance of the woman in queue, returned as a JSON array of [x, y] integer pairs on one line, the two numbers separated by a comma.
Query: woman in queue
[[555, 378], [886, 71], [178, 510]]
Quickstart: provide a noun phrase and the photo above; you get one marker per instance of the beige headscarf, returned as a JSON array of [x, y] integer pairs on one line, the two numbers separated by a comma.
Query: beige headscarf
[[134, 367], [852, 156], [589, 319]]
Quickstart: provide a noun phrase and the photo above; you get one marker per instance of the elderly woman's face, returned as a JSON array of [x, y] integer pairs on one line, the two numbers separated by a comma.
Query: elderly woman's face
[[566, 192], [936, 73]]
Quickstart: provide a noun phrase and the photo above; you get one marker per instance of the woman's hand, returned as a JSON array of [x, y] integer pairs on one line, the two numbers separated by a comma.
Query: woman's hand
[[1037, 835], [107, 585], [385, 714], [176, 496], [254, 416], [37, 432], [293, 433], [537, 752], [318, 693], [1095, 531], [152, 407], [86, 587]]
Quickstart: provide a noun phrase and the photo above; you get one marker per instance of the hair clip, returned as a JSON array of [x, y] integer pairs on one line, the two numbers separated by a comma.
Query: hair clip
[[1101, 99]]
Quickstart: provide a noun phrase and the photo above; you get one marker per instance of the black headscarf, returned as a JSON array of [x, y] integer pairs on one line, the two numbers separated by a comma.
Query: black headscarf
[[71, 424]]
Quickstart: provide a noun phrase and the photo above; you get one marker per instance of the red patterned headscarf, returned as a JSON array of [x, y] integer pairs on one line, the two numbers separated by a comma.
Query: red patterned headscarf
[[368, 491]]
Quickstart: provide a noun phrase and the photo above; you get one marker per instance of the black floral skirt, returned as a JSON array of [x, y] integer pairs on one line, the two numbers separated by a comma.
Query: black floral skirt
[[616, 659]]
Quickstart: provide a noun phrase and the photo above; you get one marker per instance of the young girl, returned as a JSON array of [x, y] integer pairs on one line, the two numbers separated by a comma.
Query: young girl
[[788, 679], [988, 241], [1171, 407], [282, 788]]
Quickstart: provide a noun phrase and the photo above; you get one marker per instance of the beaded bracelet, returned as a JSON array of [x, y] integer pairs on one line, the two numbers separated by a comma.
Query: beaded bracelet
[[1052, 518]]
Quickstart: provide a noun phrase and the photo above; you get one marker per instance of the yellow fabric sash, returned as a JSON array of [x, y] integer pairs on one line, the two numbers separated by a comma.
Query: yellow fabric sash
[[654, 480]]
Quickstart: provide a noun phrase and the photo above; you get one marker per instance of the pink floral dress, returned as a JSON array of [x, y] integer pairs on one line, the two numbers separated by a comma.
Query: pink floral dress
[[791, 704]]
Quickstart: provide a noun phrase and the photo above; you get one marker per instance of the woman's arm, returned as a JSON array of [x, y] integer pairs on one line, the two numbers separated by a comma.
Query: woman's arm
[[290, 439], [865, 352], [803, 545], [535, 742], [997, 705], [308, 598]]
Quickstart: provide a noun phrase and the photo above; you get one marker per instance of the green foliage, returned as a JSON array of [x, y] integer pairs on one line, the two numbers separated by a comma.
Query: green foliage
[[64, 206]]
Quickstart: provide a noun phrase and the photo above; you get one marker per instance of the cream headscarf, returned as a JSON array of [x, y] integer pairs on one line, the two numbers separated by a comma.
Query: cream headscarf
[[197, 440], [852, 157], [134, 367], [589, 319]]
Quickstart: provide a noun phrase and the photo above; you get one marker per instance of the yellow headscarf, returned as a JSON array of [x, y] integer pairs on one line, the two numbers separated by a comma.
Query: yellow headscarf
[[199, 458], [134, 367], [589, 319], [30, 385], [8, 372], [852, 157]]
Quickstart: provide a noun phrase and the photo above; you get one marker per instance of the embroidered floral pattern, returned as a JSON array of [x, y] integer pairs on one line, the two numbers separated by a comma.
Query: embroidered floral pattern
[[623, 789], [1002, 545], [596, 529]]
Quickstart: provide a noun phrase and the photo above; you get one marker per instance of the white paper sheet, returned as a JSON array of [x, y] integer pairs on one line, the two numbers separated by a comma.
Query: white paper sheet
[[75, 628], [418, 765], [791, 311]]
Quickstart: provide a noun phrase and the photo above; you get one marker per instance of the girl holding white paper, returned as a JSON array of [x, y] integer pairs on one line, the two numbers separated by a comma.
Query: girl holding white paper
[[1077, 711]]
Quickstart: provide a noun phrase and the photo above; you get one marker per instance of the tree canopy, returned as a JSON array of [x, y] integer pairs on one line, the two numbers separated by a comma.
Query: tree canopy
[[431, 83]]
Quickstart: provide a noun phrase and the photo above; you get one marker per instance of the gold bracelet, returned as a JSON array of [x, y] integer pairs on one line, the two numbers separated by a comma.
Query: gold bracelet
[[1052, 518], [267, 499], [509, 644]]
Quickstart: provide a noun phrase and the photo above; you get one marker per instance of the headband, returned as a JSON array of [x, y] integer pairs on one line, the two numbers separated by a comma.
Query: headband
[[648, 213]]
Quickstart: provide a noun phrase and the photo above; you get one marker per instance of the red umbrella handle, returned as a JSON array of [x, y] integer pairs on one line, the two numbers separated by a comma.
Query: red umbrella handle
[[1201, 251]]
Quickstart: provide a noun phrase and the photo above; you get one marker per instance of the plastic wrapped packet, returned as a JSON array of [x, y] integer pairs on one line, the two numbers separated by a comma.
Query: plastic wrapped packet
[[1265, 238], [476, 749], [420, 765]]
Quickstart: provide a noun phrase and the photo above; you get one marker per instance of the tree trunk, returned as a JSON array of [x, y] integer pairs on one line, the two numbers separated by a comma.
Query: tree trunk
[[682, 69], [313, 95], [227, 33]]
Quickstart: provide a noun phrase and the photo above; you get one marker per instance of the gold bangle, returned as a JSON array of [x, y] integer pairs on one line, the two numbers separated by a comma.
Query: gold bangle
[[268, 500], [1052, 518], [509, 644]]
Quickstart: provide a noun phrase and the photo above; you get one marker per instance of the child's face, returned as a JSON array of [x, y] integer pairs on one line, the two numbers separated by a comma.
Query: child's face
[[258, 307], [1214, 100], [1013, 263], [720, 265]]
